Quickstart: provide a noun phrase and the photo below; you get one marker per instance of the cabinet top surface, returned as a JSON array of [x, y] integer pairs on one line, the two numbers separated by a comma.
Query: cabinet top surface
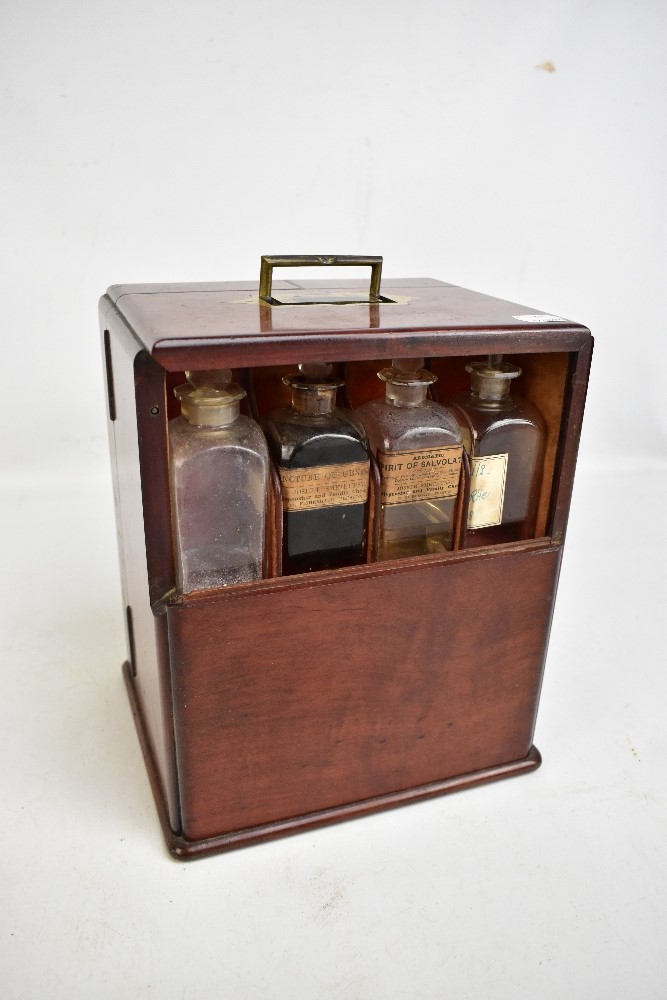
[[172, 321]]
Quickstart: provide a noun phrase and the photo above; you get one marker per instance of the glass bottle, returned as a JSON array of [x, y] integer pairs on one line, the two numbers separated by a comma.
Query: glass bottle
[[417, 444], [219, 468], [322, 457], [504, 436]]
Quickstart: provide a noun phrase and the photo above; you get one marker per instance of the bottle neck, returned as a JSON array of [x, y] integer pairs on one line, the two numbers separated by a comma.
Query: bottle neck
[[490, 381], [406, 382], [207, 415], [405, 395], [490, 390], [209, 398], [313, 400], [314, 389]]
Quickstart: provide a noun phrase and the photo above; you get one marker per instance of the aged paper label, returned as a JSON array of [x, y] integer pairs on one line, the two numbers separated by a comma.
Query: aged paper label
[[429, 474], [324, 486], [487, 490]]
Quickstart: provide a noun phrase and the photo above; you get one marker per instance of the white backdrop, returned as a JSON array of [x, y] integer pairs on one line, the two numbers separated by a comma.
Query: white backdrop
[[167, 141], [518, 148]]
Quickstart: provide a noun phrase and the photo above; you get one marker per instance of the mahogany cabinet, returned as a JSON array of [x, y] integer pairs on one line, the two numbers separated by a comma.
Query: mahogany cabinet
[[274, 706]]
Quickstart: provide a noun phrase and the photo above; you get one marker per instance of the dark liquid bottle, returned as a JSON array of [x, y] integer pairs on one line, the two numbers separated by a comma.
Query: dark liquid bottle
[[504, 436], [322, 458]]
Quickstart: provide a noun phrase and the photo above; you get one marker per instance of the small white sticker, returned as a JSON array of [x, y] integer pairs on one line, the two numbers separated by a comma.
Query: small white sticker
[[539, 318]]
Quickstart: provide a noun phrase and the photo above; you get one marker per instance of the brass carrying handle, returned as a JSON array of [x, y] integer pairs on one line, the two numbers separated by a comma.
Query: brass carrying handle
[[318, 260]]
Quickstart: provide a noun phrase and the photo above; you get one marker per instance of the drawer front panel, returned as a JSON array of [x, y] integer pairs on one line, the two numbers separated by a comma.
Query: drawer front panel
[[307, 696]]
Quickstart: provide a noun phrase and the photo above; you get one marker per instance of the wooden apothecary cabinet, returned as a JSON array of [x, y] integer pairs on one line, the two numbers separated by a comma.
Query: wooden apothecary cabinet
[[291, 702]]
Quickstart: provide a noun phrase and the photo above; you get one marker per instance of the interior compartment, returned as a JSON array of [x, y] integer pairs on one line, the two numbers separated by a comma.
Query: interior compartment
[[543, 383]]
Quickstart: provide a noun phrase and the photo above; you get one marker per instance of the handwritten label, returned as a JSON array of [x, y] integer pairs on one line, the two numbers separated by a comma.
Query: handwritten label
[[487, 490], [324, 486], [429, 474]]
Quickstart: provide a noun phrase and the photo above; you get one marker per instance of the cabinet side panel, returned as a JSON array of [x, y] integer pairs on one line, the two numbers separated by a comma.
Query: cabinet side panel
[[580, 363], [152, 405], [326, 693], [543, 383], [150, 656]]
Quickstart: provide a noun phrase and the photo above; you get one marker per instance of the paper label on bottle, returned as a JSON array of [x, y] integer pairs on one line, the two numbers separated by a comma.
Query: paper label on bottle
[[487, 490], [324, 486], [429, 474]]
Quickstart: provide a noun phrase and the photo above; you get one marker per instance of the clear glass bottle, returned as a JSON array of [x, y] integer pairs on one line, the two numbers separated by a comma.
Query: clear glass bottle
[[417, 444], [504, 436], [219, 466], [322, 457]]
